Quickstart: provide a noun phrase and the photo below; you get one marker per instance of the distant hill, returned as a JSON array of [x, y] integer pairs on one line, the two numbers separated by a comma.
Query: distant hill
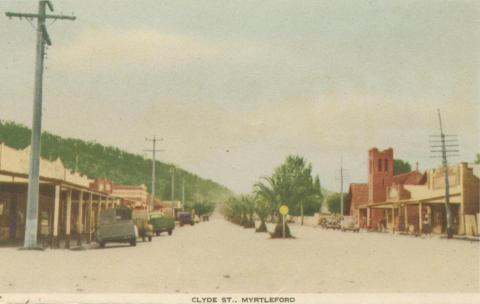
[[95, 160]]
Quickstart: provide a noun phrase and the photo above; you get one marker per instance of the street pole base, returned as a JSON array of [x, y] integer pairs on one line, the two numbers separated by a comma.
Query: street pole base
[[55, 242], [38, 248], [449, 233], [79, 240], [67, 242]]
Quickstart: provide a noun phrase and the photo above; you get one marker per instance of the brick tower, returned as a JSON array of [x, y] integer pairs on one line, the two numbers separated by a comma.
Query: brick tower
[[380, 174]]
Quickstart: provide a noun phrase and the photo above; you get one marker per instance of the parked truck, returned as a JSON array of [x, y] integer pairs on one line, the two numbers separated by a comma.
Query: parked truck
[[185, 218], [161, 223], [140, 218], [116, 226]]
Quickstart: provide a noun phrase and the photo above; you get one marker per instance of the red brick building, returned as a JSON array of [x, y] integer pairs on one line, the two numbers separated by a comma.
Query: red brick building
[[415, 200], [357, 196], [380, 174], [381, 182]]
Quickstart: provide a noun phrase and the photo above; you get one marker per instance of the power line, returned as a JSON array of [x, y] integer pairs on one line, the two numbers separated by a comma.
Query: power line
[[30, 241]]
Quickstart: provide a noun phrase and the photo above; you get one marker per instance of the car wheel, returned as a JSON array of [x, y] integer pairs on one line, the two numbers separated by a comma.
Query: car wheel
[[133, 242], [170, 232], [102, 244]]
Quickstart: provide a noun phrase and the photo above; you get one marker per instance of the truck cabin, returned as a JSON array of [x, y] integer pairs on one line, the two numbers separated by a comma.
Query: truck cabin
[[109, 216]]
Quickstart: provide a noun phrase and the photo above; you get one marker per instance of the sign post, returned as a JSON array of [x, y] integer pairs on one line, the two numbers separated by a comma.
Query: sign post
[[283, 211]]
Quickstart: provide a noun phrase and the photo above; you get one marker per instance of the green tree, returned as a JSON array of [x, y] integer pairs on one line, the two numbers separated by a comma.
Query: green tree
[[262, 208], [233, 210], [202, 208], [297, 187], [248, 210], [292, 184], [334, 203], [265, 190], [401, 166], [98, 161], [477, 161]]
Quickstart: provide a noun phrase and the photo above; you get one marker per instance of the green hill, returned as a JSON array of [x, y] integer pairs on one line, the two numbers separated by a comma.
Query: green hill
[[95, 160]]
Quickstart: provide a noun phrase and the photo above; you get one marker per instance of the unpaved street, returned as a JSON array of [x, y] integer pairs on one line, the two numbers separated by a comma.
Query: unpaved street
[[218, 256]]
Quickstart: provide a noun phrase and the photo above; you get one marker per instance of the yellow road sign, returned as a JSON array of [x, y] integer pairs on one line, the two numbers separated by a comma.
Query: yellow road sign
[[283, 209]]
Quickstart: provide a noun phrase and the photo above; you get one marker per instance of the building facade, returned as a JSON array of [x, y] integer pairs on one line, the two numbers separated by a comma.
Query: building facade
[[412, 201], [134, 196], [68, 206], [170, 208]]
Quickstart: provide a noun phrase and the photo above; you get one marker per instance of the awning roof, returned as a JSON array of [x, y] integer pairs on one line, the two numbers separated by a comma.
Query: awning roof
[[62, 183], [390, 204]]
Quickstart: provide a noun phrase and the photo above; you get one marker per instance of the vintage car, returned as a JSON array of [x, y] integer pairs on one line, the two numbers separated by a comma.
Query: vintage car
[[185, 218], [333, 222], [349, 223], [161, 223], [116, 225], [140, 218]]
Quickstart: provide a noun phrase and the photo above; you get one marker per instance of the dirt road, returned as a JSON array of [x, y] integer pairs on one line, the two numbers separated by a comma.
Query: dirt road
[[217, 256]]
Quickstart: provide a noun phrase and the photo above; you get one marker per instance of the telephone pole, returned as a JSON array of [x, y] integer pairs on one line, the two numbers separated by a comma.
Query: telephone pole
[[341, 185], [342, 180], [183, 194], [172, 170], [447, 144], [154, 150], [30, 241]]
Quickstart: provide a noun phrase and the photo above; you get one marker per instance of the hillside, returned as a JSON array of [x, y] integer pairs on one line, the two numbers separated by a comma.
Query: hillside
[[95, 160]]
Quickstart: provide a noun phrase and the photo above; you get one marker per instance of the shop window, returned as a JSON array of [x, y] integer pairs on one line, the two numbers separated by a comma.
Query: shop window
[[386, 165], [379, 165]]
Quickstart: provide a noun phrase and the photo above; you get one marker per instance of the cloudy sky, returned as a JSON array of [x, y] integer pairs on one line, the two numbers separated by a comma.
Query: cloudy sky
[[233, 87]]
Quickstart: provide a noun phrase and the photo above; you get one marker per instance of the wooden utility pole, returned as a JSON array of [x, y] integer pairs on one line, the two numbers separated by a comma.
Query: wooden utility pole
[[183, 194], [153, 150], [30, 241], [444, 151], [341, 186], [172, 170], [343, 178]]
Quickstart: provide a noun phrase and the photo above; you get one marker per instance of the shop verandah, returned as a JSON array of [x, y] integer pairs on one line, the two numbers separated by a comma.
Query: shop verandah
[[67, 212], [413, 216]]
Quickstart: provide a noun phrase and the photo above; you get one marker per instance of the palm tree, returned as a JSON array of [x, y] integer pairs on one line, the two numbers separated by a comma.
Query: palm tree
[[266, 191], [262, 209], [291, 184], [233, 210], [248, 209], [272, 192]]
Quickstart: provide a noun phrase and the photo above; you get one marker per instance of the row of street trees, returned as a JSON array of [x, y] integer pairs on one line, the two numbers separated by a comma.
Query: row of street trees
[[240, 210], [291, 184], [201, 208]]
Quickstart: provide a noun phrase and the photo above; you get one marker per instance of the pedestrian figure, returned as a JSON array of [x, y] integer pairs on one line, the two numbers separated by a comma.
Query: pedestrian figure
[[401, 224], [426, 224]]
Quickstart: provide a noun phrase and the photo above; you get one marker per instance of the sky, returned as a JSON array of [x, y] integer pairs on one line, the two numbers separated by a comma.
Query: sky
[[234, 87]]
